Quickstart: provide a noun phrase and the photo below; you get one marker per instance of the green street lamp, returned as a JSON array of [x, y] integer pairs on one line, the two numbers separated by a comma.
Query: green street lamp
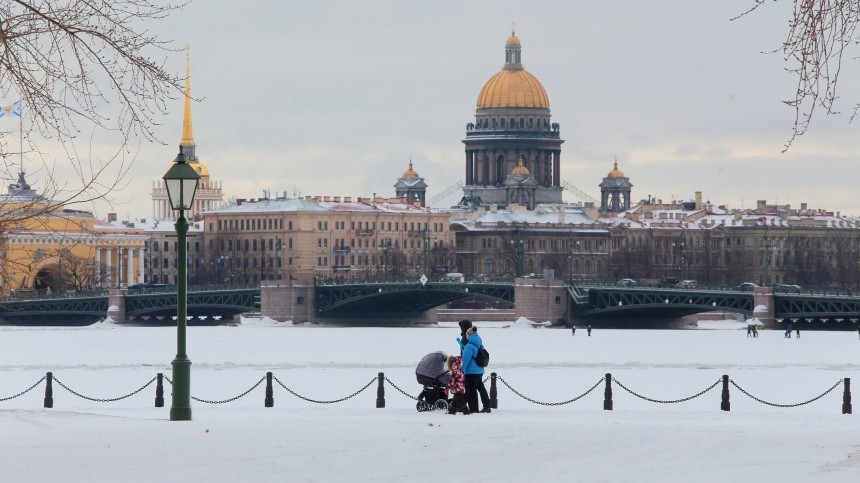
[[181, 181]]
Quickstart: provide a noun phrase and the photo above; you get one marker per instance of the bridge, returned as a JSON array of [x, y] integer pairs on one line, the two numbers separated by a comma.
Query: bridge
[[405, 298], [155, 305]]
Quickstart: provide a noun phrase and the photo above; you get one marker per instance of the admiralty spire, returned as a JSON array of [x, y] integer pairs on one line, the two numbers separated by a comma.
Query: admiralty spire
[[208, 196]]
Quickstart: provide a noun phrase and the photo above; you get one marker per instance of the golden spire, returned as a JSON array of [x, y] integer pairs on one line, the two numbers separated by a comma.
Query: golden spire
[[187, 137]]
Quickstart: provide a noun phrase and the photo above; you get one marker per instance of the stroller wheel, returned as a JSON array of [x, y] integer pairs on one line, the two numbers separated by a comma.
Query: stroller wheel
[[421, 406], [441, 405]]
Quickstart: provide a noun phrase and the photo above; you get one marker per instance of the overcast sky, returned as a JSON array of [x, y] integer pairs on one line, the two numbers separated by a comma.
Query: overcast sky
[[333, 97]]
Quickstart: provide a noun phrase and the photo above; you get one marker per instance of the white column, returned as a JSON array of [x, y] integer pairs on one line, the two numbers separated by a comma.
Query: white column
[[140, 265], [98, 265], [108, 264], [129, 273]]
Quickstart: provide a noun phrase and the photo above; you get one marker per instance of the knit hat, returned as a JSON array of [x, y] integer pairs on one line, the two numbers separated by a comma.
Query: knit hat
[[464, 326]]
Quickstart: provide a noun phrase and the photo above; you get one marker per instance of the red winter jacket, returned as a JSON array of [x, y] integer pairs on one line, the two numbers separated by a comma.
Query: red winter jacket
[[456, 383]]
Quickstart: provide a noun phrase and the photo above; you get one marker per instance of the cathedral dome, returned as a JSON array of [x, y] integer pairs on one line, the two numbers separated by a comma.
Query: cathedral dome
[[410, 173], [520, 168], [513, 86], [615, 173]]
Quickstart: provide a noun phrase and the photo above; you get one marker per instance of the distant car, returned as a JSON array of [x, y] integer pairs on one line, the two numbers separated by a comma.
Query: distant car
[[627, 282], [668, 282], [747, 287], [688, 284], [786, 288]]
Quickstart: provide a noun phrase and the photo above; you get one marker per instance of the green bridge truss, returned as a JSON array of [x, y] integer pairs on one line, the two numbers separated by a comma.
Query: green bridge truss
[[401, 298]]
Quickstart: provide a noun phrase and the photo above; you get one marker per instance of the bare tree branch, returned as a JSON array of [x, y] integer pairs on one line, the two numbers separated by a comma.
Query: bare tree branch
[[820, 34]]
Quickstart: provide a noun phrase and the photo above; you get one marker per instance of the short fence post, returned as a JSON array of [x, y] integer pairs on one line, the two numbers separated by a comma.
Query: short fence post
[[846, 396], [607, 393], [270, 396], [159, 390], [49, 390], [494, 393], [380, 391], [725, 405]]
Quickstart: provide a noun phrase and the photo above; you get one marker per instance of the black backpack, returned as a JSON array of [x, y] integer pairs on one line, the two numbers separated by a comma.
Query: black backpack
[[482, 358]]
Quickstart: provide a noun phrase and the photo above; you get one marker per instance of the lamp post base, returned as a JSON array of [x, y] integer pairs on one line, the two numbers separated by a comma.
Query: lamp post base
[[180, 407]]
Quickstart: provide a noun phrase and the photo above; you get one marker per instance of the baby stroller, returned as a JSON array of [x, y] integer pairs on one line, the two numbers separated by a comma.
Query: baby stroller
[[432, 375]]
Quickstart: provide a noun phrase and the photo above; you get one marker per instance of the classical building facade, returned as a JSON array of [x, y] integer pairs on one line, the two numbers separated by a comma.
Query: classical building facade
[[48, 248], [512, 124], [324, 237], [209, 196]]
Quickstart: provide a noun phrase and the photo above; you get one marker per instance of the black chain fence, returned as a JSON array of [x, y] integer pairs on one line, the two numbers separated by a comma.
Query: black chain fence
[[841, 381], [381, 379], [356, 393], [223, 401], [95, 399], [577, 398], [660, 401], [25, 391]]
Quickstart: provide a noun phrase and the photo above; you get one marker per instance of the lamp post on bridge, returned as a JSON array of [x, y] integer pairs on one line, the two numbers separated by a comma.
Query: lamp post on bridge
[[181, 182]]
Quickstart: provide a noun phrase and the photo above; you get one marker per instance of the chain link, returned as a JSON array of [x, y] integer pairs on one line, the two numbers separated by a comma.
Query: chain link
[[788, 405], [25, 391], [555, 403], [665, 402], [106, 399], [401, 390], [224, 400], [324, 402], [232, 398]]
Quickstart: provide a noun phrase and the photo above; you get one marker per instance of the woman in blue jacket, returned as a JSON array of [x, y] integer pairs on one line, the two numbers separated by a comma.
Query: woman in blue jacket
[[474, 374]]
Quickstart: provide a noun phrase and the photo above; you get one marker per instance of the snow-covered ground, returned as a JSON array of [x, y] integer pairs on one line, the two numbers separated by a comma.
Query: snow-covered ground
[[132, 441]]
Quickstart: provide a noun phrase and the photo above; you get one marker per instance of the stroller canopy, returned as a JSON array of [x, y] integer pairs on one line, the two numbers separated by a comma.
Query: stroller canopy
[[433, 366]]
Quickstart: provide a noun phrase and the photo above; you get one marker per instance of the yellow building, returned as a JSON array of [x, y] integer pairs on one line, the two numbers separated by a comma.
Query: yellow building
[[48, 248]]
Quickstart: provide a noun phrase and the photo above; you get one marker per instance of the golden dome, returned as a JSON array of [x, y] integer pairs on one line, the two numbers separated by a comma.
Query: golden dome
[[410, 173], [520, 168], [615, 173], [513, 86]]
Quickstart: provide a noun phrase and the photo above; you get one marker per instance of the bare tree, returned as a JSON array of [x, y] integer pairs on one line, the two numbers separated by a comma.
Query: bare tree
[[82, 71], [819, 34]]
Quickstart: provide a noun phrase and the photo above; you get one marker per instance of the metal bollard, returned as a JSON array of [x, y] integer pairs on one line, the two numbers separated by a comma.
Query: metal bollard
[[607, 393], [494, 393], [725, 405], [49, 390], [846, 397], [380, 391], [270, 397], [159, 390]]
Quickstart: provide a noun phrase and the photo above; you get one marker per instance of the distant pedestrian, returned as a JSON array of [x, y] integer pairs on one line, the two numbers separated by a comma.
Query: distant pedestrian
[[788, 331], [797, 332], [589, 330], [755, 331], [858, 331], [749, 330], [573, 329]]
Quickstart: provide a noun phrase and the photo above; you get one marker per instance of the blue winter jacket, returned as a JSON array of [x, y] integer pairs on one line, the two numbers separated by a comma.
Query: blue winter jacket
[[470, 350]]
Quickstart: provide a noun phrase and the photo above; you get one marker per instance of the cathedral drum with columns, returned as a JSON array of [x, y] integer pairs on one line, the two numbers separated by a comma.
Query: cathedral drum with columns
[[513, 149]]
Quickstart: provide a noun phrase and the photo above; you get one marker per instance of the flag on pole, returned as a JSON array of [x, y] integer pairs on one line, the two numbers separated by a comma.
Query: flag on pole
[[13, 109]]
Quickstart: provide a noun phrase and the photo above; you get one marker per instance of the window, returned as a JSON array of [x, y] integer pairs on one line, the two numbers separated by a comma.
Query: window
[[300, 300]]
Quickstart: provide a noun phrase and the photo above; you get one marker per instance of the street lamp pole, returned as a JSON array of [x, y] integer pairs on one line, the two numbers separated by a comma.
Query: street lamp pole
[[181, 181]]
